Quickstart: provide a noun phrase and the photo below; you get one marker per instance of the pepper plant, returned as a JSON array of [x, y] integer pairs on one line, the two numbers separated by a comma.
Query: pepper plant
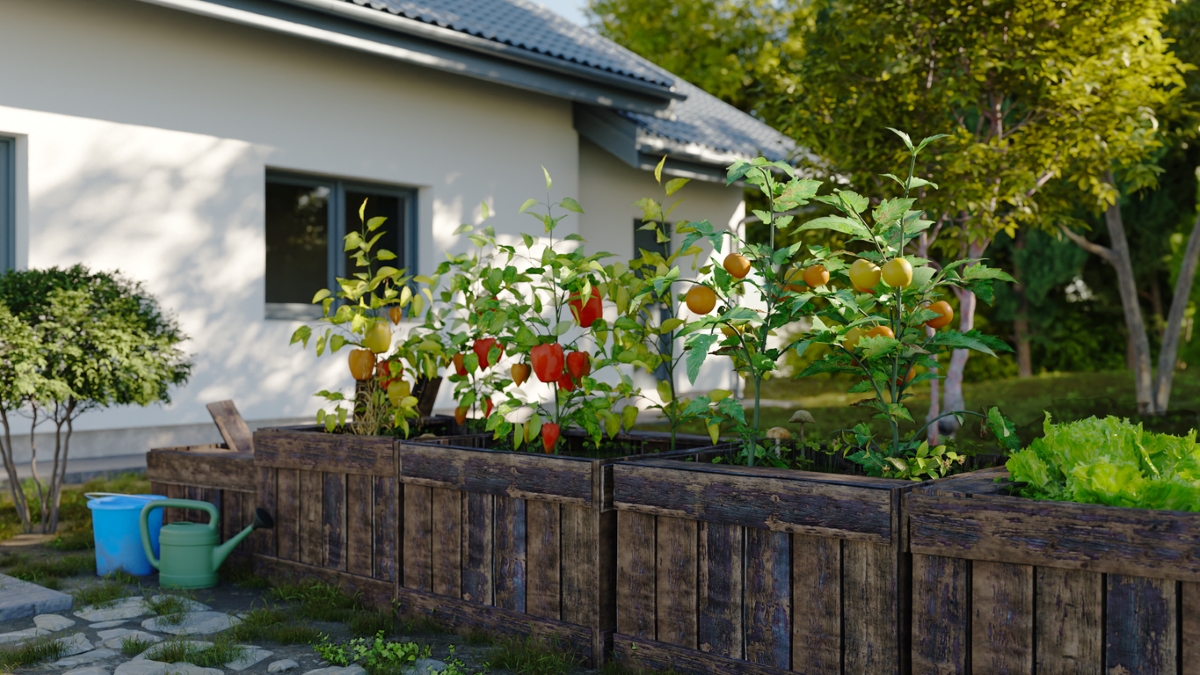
[[752, 270], [359, 313], [882, 320]]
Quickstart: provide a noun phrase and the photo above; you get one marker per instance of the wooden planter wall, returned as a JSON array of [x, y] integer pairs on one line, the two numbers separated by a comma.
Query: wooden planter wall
[[214, 474], [513, 542], [731, 569], [1003, 584], [335, 503]]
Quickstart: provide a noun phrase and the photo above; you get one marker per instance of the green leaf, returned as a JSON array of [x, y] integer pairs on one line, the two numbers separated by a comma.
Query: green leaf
[[375, 223], [659, 168], [529, 204], [547, 175], [301, 334], [675, 184], [571, 205], [465, 227], [321, 295], [904, 137], [698, 346], [843, 224]]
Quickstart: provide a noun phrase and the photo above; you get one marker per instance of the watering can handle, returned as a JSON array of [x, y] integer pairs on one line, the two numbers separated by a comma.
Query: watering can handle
[[176, 504]]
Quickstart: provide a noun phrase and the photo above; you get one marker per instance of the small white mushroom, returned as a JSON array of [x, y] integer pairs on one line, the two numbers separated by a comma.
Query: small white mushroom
[[801, 417], [778, 434]]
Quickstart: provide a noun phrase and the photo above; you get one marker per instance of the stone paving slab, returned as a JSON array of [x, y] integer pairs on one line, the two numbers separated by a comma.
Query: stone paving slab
[[86, 657], [193, 623], [125, 608], [52, 622], [20, 599]]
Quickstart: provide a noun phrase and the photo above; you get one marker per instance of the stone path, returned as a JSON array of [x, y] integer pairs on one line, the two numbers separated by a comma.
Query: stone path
[[20, 599]]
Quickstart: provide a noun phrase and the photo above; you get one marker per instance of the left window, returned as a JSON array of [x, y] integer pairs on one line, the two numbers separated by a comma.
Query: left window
[[8, 202], [307, 219]]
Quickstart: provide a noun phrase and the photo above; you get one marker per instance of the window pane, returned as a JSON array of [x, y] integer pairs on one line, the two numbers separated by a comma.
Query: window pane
[[393, 208], [297, 241]]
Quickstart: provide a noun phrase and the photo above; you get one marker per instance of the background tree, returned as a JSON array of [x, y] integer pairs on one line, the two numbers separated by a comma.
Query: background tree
[[101, 340]]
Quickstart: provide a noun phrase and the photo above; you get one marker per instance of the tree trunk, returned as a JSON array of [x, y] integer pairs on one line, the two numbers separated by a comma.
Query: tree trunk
[[1143, 384], [1021, 320], [14, 483], [935, 403], [953, 399], [1168, 355]]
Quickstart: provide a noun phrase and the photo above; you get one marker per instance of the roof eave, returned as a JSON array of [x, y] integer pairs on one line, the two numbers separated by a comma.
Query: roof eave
[[290, 18]]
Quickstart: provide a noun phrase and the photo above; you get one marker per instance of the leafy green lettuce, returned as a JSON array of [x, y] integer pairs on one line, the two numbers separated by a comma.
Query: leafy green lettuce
[[1110, 461]]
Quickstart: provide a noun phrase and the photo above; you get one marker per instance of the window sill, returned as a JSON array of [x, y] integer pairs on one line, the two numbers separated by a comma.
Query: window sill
[[291, 312]]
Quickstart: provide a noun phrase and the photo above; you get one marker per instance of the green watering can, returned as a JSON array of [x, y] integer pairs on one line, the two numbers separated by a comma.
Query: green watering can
[[191, 552]]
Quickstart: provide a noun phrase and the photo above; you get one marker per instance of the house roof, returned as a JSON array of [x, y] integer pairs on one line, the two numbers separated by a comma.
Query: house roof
[[529, 26]]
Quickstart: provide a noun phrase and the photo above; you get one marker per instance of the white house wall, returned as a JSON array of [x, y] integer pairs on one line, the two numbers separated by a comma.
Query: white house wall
[[144, 136]]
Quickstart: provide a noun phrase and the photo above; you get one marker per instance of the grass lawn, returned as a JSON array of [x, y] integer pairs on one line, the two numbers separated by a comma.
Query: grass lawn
[[1067, 396]]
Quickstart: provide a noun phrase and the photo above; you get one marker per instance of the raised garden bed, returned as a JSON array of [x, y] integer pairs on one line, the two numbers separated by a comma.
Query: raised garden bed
[[738, 569], [1004, 584], [516, 542], [214, 474]]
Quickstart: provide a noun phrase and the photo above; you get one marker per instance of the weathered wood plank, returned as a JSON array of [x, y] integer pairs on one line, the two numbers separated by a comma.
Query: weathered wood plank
[[268, 498], [817, 605], [210, 466], [941, 615], [870, 597], [1002, 619], [1189, 633], [1069, 635], [719, 582], [312, 539], [418, 537], [1141, 629], [315, 450], [768, 598], [510, 553], [635, 574], [676, 581], [447, 533], [643, 655], [333, 520], [173, 515], [231, 425], [606, 545], [543, 555], [360, 500], [773, 501], [1136, 542], [230, 514], [556, 478], [580, 566], [477, 549], [387, 525], [287, 515], [374, 593], [460, 614]]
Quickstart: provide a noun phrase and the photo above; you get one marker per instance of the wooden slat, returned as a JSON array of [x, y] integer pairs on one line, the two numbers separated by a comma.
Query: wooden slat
[[1002, 619], [941, 614], [780, 502], [374, 593], [203, 466], [556, 478], [676, 581], [312, 535], [1068, 634], [231, 514], [446, 533], [477, 549], [817, 608], [173, 515], [333, 520], [543, 587], [768, 598], [360, 500], [268, 499], [870, 596], [1141, 629], [635, 574], [418, 537], [318, 451], [719, 581], [510, 553], [606, 564], [231, 425], [659, 657], [387, 529], [287, 515], [1136, 542], [580, 565], [1189, 632]]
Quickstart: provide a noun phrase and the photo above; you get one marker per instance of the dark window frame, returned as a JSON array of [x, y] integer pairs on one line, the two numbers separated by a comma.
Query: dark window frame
[[337, 226], [8, 202]]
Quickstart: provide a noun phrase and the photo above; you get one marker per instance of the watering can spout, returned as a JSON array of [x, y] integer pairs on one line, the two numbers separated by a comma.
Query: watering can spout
[[262, 519]]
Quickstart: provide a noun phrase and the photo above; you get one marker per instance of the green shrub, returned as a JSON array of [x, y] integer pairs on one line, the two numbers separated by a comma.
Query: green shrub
[[1110, 461]]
